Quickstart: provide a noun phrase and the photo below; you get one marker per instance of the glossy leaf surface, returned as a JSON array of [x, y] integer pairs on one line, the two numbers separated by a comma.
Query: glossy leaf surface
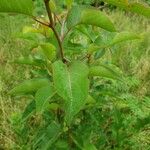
[[89, 16], [72, 85]]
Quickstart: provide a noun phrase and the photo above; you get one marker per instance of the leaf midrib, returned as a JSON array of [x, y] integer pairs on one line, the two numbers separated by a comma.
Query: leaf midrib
[[70, 89]]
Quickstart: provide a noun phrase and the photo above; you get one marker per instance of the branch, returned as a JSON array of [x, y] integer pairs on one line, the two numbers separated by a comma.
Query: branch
[[51, 25], [43, 23], [48, 9], [59, 43]]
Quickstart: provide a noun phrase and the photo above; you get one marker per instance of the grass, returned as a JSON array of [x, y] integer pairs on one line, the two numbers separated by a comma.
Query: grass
[[133, 59], [10, 74]]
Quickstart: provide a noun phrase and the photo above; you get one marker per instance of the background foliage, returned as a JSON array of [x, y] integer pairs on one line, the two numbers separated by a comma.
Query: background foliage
[[117, 113]]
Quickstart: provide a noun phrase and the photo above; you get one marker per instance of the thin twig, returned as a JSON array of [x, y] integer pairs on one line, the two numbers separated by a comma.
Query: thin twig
[[59, 43], [62, 31], [57, 19], [65, 34], [43, 23], [51, 25]]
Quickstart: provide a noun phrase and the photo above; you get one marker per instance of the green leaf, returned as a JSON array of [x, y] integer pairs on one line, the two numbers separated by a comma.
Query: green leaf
[[97, 18], [119, 3], [90, 100], [71, 84], [30, 29], [124, 36], [29, 61], [86, 31], [133, 7], [89, 16], [140, 9], [90, 147], [62, 144], [28, 110], [93, 47], [104, 71], [16, 6], [47, 136], [42, 96], [53, 106], [74, 15], [49, 50], [52, 5], [69, 3], [118, 38], [30, 86]]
